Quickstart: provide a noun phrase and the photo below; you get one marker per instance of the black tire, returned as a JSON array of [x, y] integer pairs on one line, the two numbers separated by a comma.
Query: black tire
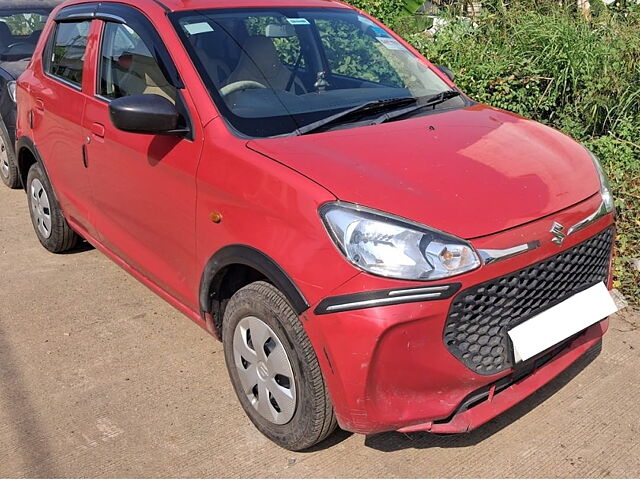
[[8, 171], [61, 238], [314, 419]]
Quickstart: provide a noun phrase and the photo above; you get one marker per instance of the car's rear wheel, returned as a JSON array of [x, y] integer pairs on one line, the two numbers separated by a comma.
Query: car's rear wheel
[[8, 168], [274, 369], [49, 223]]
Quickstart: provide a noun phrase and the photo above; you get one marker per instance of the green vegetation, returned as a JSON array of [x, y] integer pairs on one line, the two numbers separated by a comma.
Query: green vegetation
[[546, 62], [387, 11], [24, 23]]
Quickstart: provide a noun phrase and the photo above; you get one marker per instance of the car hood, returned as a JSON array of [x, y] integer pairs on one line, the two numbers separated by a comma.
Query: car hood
[[469, 172], [16, 68]]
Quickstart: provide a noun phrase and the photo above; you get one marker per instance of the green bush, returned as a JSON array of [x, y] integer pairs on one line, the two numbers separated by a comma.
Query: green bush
[[620, 154], [24, 24], [548, 63], [384, 10]]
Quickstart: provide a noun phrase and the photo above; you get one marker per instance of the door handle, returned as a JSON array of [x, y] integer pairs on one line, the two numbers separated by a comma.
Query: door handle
[[39, 104], [98, 130]]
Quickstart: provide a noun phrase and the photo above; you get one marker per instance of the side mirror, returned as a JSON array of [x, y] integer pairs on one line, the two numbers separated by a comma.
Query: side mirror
[[447, 72], [148, 114]]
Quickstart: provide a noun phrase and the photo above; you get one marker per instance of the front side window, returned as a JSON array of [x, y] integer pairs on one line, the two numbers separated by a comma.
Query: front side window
[[127, 66], [19, 32], [273, 71], [68, 51]]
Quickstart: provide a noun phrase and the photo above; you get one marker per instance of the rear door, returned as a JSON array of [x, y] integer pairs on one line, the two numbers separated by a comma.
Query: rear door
[[59, 95], [144, 186]]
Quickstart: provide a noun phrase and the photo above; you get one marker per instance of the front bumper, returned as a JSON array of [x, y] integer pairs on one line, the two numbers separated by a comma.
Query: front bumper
[[498, 398], [387, 368]]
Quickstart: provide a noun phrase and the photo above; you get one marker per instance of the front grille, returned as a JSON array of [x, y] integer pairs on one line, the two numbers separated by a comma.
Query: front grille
[[480, 317]]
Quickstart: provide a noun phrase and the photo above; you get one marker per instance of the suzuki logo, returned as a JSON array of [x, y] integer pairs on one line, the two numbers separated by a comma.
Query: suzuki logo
[[557, 230]]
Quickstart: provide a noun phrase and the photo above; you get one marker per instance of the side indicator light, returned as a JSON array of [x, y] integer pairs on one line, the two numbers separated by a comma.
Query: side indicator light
[[215, 217]]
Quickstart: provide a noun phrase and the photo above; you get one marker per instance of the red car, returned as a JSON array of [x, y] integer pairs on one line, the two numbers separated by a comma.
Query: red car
[[374, 249]]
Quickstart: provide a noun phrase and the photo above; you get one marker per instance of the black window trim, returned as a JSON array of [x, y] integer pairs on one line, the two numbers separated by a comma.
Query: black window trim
[[77, 13]]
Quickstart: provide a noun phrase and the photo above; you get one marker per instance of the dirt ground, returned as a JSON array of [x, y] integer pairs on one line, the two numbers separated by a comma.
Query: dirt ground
[[101, 378]]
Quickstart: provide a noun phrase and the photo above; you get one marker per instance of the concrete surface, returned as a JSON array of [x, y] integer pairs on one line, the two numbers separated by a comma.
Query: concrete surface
[[101, 378]]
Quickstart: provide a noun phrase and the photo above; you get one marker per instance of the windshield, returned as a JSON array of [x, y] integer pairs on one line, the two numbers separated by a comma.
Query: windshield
[[19, 32], [273, 71]]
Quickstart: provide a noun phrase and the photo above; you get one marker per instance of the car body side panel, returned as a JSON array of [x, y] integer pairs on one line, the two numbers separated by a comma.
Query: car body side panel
[[55, 109], [144, 193], [268, 206]]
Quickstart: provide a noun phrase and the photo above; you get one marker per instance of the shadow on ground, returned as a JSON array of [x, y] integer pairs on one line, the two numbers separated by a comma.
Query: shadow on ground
[[83, 246], [26, 432], [394, 441]]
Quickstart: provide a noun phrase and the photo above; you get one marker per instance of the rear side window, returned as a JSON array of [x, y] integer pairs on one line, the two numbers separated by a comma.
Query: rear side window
[[68, 50]]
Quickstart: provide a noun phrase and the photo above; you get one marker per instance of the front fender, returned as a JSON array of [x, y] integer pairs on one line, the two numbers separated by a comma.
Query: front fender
[[250, 257]]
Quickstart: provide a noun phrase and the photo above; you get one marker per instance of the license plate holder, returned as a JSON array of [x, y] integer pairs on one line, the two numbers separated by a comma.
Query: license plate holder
[[561, 322]]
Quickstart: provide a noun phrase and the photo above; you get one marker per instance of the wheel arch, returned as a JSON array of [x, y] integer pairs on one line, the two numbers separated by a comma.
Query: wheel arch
[[26, 155], [234, 267]]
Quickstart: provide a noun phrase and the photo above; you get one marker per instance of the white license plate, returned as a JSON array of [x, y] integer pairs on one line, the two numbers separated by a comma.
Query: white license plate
[[558, 323]]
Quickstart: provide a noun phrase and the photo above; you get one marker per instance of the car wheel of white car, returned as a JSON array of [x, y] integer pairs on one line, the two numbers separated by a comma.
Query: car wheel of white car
[[8, 168]]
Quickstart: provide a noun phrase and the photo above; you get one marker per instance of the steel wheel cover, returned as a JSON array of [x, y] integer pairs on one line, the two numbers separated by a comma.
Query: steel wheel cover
[[264, 370], [4, 159], [40, 208]]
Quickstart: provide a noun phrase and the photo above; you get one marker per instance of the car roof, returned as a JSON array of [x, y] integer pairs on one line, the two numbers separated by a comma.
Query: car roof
[[176, 5]]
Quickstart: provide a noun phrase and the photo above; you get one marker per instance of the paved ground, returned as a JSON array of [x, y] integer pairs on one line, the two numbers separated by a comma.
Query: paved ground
[[101, 378]]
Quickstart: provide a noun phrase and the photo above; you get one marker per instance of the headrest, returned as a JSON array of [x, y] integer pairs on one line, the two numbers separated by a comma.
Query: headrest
[[261, 51]]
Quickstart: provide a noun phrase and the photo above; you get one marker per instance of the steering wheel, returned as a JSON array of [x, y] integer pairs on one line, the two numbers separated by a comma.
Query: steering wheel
[[241, 85]]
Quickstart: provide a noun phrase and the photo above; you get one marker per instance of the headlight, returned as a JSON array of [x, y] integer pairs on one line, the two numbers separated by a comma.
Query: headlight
[[393, 247], [605, 186], [11, 86]]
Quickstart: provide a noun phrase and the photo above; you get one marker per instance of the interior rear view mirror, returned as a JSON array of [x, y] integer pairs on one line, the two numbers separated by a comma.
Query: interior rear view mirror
[[280, 31]]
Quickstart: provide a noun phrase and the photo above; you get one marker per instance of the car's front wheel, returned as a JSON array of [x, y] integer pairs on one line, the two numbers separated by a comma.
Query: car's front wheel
[[52, 229], [8, 168], [274, 369]]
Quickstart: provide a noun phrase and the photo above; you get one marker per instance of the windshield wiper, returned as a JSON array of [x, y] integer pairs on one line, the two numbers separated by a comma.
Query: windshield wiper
[[390, 103], [431, 101]]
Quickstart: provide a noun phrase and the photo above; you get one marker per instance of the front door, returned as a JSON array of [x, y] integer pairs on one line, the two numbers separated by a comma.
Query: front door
[[144, 186]]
